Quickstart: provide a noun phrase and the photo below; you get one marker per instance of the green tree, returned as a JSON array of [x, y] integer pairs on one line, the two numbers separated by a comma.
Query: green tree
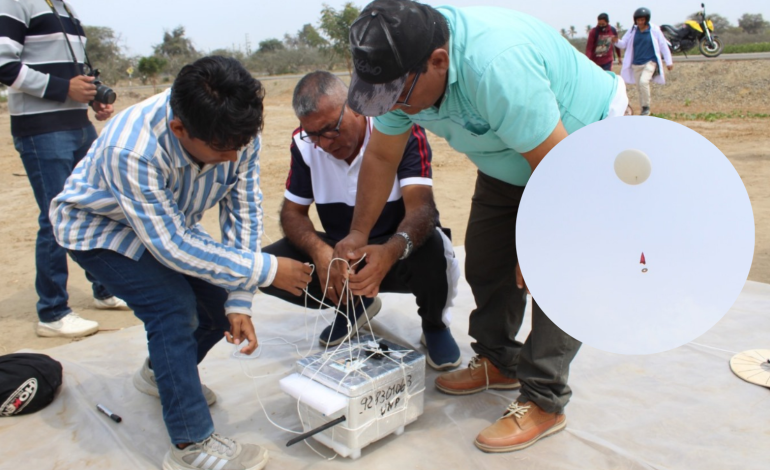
[[150, 67], [270, 45], [102, 44], [620, 29], [564, 32], [176, 49], [309, 36], [174, 44], [588, 29], [335, 25], [236, 54], [572, 32], [105, 52], [753, 24], [291, 42]]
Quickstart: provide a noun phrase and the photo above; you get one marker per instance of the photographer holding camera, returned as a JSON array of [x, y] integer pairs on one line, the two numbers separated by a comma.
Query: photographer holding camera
[[48, 101]]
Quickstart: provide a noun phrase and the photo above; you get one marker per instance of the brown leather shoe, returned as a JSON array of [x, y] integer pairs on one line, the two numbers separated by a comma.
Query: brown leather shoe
[[522, 425], [480, 375]]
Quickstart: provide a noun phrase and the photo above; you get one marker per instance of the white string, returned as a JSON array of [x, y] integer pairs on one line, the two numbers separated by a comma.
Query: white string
[[352, 327], [264, 232], [264, 410], [712, 347]]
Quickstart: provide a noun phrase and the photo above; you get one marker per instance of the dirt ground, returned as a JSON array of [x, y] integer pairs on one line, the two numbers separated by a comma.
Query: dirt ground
[[697, 87]]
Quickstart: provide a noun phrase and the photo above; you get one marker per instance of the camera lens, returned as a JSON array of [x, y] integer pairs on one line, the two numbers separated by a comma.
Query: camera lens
[[105, 94]]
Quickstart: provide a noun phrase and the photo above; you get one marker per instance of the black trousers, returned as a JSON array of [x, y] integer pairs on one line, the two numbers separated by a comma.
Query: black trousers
[[428, 274], [542, 363]]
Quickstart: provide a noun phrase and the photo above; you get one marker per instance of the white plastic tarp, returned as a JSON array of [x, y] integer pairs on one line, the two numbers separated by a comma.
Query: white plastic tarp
[[682, 409]]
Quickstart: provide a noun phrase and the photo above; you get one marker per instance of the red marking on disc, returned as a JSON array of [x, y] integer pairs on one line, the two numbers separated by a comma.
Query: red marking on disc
[[642, 261]]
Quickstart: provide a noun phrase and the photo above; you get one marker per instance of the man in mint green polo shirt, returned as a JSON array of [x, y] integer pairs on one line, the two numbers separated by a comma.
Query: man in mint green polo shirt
[[503, 88]]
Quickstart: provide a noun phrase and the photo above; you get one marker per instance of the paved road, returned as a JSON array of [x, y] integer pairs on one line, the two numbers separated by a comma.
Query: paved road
[[677, 58], [701, 58]]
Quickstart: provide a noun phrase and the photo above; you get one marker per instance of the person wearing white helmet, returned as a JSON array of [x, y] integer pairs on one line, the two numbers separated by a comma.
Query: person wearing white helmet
[[646, 50]]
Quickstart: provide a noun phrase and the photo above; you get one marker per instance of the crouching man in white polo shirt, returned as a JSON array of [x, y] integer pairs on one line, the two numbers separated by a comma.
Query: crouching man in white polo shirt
[[409, 252]]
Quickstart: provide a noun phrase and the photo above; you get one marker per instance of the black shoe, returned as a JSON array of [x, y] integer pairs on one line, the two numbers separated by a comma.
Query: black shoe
[[343, 328], [645, 111], [443, 352]]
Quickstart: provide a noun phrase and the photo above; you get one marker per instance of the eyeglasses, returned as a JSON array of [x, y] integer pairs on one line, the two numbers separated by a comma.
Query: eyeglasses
[[314, 137], [405, 103]]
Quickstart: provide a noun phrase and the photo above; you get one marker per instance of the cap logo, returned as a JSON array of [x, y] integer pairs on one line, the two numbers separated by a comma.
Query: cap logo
[[363, 66], [20, 398]]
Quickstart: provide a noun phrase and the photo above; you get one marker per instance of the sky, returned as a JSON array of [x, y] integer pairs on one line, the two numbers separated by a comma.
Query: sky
[[581, 232], [230, 23]]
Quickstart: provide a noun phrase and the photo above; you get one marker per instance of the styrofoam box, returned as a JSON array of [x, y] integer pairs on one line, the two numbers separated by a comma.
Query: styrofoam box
[[377, 396]]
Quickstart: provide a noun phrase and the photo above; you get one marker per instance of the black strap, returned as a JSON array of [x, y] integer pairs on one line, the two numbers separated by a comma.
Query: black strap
[[66, 37]]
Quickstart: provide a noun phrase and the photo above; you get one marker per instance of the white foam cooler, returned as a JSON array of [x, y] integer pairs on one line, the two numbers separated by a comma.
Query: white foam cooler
[[377, 396]]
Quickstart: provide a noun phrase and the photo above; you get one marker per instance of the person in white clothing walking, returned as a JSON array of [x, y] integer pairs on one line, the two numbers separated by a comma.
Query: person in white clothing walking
[[646, 50]]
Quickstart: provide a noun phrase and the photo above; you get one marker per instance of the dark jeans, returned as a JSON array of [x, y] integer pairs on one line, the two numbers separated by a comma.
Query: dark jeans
[[542, 363], [48, 160], [426, 273], [184, 318], [607, 66]]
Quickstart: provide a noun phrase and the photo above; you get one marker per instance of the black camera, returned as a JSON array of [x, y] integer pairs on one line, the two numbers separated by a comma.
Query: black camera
[[104, 94]]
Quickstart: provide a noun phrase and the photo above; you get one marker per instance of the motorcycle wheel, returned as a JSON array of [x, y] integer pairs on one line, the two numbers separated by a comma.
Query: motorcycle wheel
[[712, 50]]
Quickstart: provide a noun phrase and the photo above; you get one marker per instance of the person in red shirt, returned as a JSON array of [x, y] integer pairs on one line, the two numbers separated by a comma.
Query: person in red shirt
[[599, 46]]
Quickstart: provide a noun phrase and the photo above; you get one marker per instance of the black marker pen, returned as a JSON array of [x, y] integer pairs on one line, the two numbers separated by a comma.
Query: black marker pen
[[109, 413]]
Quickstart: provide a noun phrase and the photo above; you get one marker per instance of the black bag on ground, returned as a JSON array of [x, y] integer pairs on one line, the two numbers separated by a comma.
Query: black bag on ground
[[28, 383]]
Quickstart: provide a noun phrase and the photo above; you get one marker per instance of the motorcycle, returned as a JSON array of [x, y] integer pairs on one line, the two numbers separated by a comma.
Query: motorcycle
[[692, 33]]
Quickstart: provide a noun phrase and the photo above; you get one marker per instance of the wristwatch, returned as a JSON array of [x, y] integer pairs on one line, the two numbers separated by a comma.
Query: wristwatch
[[409, 246]]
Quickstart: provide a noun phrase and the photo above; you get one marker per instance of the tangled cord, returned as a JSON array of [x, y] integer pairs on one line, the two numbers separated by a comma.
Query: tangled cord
[[326, 356]]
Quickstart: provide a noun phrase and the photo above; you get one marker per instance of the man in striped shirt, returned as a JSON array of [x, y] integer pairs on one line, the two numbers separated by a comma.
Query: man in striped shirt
[[130, 215], [409, 254], [48, 102]]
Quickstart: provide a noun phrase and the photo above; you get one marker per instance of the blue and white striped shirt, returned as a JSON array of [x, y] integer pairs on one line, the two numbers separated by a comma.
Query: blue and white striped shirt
[[139, 189]]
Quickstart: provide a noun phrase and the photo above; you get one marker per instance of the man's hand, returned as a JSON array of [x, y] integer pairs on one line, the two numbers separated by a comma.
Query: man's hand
[[670, 67], [241, 328], [349, 249], [103, 111], [615, 39], [379, 260], [292, 276], [81, 89], [520, 279], [330, 279]]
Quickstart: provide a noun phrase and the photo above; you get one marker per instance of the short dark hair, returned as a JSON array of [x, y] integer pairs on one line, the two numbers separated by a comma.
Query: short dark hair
[[312, 87], [604, 16], [440, 37], [219, 102]]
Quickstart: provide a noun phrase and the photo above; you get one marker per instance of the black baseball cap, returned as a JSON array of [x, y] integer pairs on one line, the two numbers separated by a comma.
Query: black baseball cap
[[389, 38]]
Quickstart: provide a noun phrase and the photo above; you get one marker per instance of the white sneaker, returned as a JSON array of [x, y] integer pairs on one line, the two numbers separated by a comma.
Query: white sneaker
[[217, 452], [110, 303], [144, 381], [69, 326]]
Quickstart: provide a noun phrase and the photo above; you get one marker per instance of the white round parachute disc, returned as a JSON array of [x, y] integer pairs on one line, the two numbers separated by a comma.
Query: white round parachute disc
[[633, 166], [753, 366], [635, 261]]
